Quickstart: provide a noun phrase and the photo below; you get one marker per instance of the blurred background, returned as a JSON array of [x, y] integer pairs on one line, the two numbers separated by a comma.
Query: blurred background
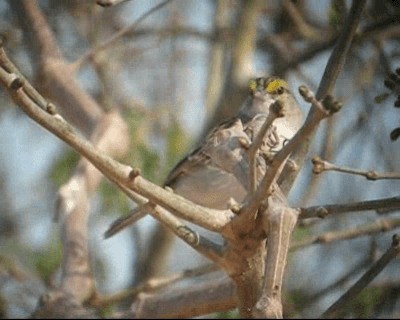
[[173, 75]]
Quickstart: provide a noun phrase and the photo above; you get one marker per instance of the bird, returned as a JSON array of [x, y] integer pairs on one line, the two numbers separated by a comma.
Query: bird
[[216, 173]]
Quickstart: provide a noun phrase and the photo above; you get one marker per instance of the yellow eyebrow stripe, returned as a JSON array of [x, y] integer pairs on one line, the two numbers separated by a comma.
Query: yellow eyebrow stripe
[[274, 85]]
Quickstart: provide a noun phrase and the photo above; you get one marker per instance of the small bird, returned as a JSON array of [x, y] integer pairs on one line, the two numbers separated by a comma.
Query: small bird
[[217, 172]]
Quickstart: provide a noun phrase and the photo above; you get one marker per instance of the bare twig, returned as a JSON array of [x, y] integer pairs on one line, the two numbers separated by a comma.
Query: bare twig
[[210, 219], [325, 210], [151, 285], [320, 165], [388, 256]]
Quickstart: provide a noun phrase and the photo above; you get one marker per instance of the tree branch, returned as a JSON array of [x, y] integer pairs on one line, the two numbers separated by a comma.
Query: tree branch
[[376, 268], [325, 210]]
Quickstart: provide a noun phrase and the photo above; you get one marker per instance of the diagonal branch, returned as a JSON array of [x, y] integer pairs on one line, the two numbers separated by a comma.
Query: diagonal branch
[[123, 176], [366, 279]]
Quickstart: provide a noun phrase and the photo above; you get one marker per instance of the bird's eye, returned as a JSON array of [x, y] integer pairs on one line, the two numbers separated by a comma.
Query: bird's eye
[[280, 90]]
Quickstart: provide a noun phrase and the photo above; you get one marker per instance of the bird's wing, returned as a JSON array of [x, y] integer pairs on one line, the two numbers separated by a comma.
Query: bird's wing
[[198, 157]]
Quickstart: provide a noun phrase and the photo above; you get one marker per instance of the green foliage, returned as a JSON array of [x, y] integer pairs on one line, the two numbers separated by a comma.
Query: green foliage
[[112, 198], [364, 305], [63, 167], [300, 233], [381, 97], [107, 311], [47, 260], [336, 14], [231, 314], [140, 155], [177, 144]]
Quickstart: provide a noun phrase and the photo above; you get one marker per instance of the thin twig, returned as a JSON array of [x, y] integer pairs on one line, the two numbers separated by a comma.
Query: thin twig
[[325, 210], [151, 285], [376, 268], [275, 112], [320, 165]]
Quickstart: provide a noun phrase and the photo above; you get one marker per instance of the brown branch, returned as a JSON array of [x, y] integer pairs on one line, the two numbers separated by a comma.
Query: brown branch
[[370, 275], [211, 219], [320, 165], [325, 210], [123, 176], [215, 295], [279, 222], [118, 173], [152, 285]]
